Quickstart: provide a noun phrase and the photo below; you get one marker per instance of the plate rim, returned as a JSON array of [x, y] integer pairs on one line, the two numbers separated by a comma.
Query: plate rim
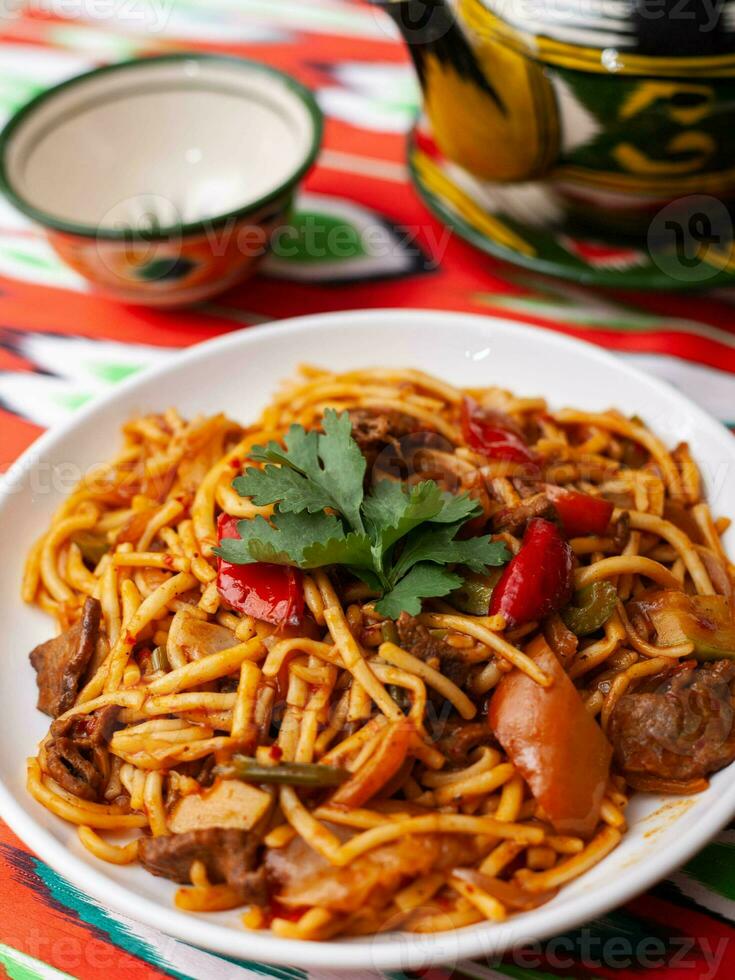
[[384, 952]]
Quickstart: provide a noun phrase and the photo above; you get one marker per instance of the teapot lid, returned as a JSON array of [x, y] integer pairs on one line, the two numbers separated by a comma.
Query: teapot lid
[[656, 28]]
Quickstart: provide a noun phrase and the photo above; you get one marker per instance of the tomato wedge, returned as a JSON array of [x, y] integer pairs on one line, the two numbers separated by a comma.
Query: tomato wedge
[[379, 769], [493, 434], [273, 593], [554, 742], [580, 513]]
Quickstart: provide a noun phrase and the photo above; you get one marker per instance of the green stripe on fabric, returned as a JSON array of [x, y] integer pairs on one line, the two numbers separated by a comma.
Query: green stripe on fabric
[[522, 974], [71, 898], [20, 966], [72, 401], [112, 373], [713, 868], [594, 938], [298, 15], [68, 896], [615, 320], [280, 972], [591, 318], [102, 44], [30, 259], [508, 970]]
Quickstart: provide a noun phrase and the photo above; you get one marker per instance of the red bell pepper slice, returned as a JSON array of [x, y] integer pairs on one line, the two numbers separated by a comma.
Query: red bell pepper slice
[[554, 742], [493, 434], [273, 593], [580, 513], [538, 580]]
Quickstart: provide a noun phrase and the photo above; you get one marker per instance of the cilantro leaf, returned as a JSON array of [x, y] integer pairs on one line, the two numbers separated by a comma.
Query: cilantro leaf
[[282, 541], [438, 543], [317, 470], [370, 578], [303, 540], [457, 509], [293, 491], [351, 549], [237, 552], [344, 466], [422, 582], [391, 511], [301, 450], [397, 539]]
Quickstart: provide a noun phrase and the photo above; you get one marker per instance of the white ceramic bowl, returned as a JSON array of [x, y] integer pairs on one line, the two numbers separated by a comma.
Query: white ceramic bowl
[[238, 374], [163, 179]]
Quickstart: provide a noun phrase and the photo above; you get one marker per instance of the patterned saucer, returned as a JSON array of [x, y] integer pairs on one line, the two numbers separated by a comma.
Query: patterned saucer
[[525, 224]]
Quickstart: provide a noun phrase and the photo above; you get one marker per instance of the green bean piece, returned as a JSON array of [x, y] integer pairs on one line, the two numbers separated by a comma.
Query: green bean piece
[[287, 773], [401, 696], [390, 632], [473, 596], [704, 620], [591, 608], [92, 546]]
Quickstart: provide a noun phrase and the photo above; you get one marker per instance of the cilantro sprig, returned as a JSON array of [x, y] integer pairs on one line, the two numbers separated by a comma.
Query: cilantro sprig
[[402, 541]]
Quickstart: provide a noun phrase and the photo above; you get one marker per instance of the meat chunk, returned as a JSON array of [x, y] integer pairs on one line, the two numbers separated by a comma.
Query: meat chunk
[[75, 755], [416, 639], [462, 737], [373, 430], [78, 771], [675, 729], [514, 519], [103, 724], [94, 729], [230, 856], [560, 638], [303, 878], [60, 663], [397, 446], [621, 531]]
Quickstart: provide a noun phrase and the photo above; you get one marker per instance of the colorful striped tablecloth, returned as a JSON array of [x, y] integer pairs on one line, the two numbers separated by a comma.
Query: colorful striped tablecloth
[[61, 346]]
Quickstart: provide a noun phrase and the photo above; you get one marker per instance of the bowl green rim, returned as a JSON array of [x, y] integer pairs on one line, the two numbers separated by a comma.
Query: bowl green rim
[[180, 228]]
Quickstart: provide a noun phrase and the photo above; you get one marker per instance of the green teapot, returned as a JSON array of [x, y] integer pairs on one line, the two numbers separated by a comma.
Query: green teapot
[[624, 105]]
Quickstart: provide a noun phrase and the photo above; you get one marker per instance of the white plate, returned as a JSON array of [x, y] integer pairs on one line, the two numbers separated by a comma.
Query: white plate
[[237, 374]]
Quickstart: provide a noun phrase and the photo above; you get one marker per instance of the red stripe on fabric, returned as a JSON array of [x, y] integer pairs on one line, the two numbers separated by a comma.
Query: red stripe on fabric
[[685, 342], [714, 940], [33, 926], [10, 361], [700, 306], [347, 138], [318, 50], [16, 435], [32, 307], [688, 346]]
